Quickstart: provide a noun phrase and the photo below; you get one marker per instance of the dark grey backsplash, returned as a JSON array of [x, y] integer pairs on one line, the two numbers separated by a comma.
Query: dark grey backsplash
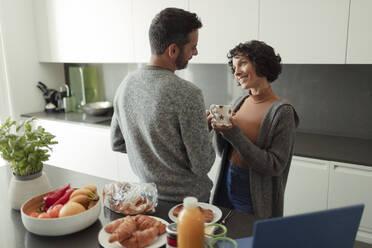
[[215, 80], [330, 99]]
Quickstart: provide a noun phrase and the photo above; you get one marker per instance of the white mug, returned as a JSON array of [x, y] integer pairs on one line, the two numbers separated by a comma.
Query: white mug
[[221, 114]]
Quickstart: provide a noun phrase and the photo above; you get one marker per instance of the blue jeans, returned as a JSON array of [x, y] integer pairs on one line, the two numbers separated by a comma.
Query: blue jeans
[[238, 188]]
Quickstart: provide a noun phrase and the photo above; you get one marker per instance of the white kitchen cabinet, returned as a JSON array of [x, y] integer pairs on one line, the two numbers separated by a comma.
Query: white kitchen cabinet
[[352, 184], [125, 172], [359, 50], [143, 13], [84, 31], [315, 184], [82, 148], [307, 186], [225, 24], [306, 32]]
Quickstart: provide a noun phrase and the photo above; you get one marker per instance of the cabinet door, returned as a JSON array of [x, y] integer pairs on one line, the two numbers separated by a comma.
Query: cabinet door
[[82, 148], [308, 32], [359, 50], [84, 30], [225, 24], [307, 186], [125, 171], [143, 13], [352, 184]]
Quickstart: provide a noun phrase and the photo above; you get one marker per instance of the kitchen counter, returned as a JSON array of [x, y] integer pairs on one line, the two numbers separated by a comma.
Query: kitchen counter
[[326, 147], [71, 117], [13, 233], [334, 148]]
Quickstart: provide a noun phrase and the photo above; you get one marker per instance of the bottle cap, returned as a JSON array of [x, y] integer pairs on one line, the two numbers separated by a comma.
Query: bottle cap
[[190, 202]]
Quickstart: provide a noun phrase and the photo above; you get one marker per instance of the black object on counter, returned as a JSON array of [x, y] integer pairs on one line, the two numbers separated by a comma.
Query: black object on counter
[[50, 96]]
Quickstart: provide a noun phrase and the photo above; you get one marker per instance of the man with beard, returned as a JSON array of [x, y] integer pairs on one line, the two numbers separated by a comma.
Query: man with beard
[[159, 119]]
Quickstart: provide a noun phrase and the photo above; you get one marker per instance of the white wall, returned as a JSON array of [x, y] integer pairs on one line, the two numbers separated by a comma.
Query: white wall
[[4, 97], [21, 65]]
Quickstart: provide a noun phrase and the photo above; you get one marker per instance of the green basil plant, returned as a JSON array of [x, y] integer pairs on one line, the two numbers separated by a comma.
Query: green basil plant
[[24, 146]]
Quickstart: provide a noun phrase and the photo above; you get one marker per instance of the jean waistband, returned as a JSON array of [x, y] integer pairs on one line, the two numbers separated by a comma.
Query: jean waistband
[[238, 169]]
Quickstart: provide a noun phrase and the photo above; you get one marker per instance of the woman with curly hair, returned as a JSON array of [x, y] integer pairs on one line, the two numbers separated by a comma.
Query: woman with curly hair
[[257, 148]]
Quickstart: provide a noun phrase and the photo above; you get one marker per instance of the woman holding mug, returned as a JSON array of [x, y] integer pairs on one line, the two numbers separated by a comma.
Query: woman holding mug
[[257, 148]]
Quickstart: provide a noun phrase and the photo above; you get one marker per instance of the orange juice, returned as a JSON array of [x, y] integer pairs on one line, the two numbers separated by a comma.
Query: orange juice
[[190, 225]]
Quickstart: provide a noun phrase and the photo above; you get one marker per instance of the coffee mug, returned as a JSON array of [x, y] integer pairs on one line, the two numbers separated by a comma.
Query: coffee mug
[[221, 114]]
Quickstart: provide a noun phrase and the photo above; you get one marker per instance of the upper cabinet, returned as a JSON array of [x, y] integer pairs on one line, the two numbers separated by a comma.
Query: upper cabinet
[[84, 31], [225, 24], [143, 13], [301, 31], [309, 32], [359, 49]]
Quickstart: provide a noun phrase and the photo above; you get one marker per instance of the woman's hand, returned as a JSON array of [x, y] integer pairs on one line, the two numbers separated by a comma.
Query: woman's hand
[[209, 119]]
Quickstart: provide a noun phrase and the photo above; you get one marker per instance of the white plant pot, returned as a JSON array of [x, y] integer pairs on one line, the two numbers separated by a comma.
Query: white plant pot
[[22, 189]]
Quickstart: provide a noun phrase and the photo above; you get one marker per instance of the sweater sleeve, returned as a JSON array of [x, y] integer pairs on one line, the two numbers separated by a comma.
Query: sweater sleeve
[[195, 134], [273, 160], [218, 142], [117, 139]]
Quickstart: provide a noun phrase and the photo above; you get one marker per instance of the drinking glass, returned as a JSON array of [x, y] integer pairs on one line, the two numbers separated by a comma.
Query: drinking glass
[[222, 242]]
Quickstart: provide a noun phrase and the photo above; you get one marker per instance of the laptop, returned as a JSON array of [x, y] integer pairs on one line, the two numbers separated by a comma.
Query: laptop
[[333, 228]]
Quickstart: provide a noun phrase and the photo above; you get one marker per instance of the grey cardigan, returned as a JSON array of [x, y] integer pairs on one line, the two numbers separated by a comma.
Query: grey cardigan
[[268, 160]]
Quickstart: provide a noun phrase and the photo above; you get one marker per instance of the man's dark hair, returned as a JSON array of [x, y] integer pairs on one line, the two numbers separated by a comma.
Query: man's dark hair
[[172, 25], [262, 57]]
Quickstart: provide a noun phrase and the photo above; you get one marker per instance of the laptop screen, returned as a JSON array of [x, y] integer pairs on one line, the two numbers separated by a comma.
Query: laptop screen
[[333, 228]]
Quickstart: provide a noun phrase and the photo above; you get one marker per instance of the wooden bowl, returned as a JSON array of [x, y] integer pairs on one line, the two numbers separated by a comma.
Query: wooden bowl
[[57, 226]]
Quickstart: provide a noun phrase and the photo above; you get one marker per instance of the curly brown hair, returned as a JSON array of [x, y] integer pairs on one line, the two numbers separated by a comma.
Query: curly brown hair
[[262, 56]]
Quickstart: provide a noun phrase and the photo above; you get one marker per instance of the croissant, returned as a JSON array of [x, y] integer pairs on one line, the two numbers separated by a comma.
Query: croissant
[[130, 243], [145, 237], [124, 230], [110, 228], [161, 227], [143, 222], [208, 215]]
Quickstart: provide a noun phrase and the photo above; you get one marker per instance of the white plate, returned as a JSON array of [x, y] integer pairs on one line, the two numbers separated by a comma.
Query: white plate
[[217, 213], [159, 241]]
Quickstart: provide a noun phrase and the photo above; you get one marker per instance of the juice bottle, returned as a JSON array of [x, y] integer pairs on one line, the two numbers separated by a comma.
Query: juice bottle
[[190, 225]]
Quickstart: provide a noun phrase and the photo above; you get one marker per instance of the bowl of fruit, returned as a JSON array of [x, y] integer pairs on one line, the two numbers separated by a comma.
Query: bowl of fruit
[[63, 211]]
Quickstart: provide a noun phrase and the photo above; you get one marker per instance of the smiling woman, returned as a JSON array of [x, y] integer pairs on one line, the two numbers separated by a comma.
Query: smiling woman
[[257, 147]]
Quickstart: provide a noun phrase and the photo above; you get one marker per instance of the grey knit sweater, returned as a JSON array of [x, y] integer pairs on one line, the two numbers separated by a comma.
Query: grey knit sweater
[[159, 120], [268, 160]]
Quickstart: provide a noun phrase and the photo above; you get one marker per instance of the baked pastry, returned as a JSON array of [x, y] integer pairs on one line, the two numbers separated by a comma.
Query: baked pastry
[[130, 198], [207, 213], [135, 232]]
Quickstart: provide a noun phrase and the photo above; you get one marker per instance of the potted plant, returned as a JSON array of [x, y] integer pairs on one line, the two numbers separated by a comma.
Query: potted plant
[[25, 147]]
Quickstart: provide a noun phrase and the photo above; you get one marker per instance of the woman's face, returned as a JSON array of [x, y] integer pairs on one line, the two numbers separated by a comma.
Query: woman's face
[[245, 73]]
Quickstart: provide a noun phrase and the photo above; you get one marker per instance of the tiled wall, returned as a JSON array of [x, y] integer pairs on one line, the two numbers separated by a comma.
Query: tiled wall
[[330, 99]]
